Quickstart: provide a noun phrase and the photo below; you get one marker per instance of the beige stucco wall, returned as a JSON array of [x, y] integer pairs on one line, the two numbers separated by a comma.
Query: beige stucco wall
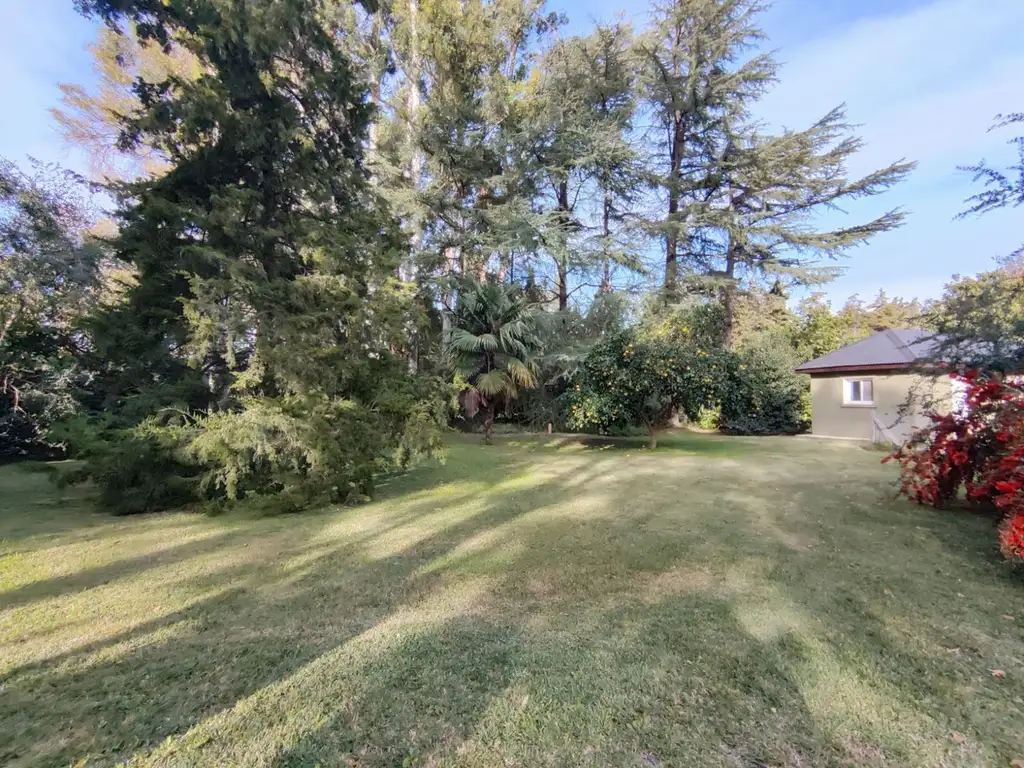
[[831, 418]]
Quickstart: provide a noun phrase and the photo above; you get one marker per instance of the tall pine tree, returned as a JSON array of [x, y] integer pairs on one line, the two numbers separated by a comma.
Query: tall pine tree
[[695, 81], [758, 218], [266, 263], [742, 203], [586, 167]]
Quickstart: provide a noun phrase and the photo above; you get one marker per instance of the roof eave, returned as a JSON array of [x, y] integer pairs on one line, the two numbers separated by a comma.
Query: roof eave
[[860, 367]]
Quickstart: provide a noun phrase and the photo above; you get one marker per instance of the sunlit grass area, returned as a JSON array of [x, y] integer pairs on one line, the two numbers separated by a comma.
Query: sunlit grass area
[[718, 602]]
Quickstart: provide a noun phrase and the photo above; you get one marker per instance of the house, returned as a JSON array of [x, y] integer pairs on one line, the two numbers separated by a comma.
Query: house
[[878, 388]]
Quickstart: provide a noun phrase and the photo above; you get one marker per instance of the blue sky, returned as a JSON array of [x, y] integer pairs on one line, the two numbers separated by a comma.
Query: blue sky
[[923, 79]]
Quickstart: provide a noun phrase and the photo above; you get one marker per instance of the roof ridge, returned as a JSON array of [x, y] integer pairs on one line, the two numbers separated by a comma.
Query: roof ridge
[[892, 347], [901, 346]]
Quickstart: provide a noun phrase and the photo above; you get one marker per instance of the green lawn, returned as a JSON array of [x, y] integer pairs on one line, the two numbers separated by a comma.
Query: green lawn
[[719, 602]]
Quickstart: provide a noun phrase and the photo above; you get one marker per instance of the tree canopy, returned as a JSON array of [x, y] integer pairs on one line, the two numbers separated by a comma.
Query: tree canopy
[[333, 222], [51, 275], [630, 381]]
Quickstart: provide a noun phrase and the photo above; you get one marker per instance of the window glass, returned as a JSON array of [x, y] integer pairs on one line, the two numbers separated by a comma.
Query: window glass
[[860, 391]]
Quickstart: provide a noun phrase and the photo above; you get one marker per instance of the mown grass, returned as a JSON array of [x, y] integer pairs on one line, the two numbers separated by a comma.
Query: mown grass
[[722, 602]]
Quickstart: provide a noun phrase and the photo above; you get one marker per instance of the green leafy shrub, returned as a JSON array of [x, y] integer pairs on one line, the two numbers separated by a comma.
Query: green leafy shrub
[[280, 453], [540, 406], [565, 339], [629, 381], [710, 417], [295, 451], [765, 396], [136, 469], [19, 433]]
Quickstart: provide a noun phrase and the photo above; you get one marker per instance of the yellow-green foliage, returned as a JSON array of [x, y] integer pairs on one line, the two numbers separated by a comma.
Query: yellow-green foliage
[[630, 381]]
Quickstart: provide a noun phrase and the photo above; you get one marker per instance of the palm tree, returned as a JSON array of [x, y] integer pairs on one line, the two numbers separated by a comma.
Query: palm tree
[[491, 342]]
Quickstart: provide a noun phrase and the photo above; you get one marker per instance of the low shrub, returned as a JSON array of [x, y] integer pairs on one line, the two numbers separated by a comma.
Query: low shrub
[[280, 453], [134, 470], [710, 417], [978, 452]]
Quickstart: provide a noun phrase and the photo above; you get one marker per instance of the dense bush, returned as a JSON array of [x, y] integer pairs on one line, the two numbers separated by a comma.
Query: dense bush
[[629, 381], [695, 321], [289, 452], [134, 469], [565, 339], [766, 397], [979, 451], [19, 431]]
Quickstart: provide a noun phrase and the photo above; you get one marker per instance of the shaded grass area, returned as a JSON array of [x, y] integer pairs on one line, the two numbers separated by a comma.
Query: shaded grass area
[[722, 602], [677, 440]]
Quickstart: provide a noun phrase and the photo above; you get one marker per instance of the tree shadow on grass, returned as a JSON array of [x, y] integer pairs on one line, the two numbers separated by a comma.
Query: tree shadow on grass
[[867, 656], [678, 682], [32, 505], [606, 627], [485, 692], [670, 441], [126, 568], [260, 623], [422, 698], [466, 460]]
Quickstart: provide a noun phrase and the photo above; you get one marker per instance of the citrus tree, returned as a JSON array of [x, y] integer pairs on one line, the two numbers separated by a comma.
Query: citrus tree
[[493, 342], [629, 381]]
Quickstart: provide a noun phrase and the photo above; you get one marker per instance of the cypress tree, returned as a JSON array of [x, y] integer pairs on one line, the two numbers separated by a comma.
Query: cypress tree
[[267, 306]]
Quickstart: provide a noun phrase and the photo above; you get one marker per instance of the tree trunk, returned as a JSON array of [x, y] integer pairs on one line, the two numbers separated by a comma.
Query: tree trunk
[[606, 211], [375, 85], [671, 252], [560, 259], [671, 235], [9, 321], [652, 438], [412, 105], [412, 101], [729, 299], [489, 424], [606, 232], [452, 260], [563, 286]]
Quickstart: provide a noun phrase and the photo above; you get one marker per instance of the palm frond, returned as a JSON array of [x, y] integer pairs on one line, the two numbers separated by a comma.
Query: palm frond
[[521, 373], [495, 383], [466, 341], [493, 339]]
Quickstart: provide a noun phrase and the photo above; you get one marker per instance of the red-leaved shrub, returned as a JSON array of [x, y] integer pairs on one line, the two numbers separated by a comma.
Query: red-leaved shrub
[[980, 450]]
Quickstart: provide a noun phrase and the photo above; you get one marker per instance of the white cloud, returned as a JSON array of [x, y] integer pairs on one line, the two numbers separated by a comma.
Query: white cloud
[[924, 84]]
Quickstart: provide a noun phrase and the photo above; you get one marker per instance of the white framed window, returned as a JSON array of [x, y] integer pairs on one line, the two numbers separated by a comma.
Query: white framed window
[[858, 392]]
